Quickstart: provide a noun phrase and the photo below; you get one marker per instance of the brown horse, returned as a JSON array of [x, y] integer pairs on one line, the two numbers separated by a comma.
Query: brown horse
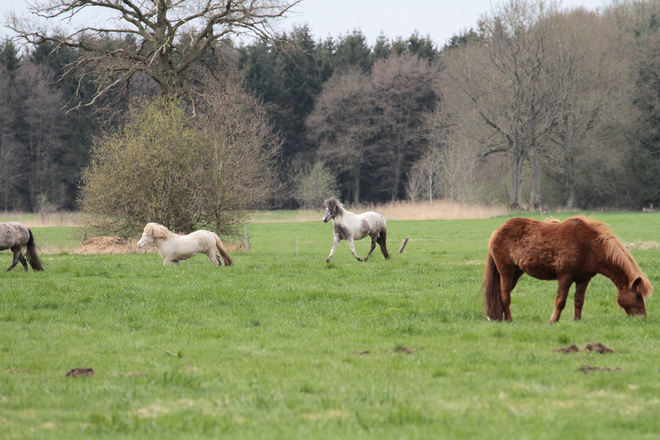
[[573, 251], [16, 236]]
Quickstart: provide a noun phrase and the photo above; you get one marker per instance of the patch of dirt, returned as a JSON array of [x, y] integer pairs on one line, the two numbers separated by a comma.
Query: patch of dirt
[[363, 352], [104, 245], [405, 350], [589, 369], [592, 347], [642, 245], [597, 347], [80, 372], [572, 349]]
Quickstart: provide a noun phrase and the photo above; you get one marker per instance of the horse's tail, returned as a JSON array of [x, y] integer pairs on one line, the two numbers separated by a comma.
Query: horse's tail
[[491, 290], [31, 253], [223, 252], [382, 238]]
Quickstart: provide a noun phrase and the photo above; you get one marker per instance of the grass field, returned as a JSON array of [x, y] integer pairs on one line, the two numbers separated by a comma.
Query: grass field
[[283, 346]]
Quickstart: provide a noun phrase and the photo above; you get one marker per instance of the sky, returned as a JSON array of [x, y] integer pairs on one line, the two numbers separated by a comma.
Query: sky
[[438, 19]]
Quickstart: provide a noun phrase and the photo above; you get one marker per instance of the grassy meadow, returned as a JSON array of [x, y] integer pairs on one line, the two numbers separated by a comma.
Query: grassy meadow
[[283, 346]]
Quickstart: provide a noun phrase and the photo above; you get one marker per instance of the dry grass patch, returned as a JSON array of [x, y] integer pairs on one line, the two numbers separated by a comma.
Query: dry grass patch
[[436, 210], [42, 220], [401, 210]]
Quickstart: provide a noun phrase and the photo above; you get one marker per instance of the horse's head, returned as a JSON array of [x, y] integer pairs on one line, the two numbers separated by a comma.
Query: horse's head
[[332, 207], [631, 297], [151, 231]]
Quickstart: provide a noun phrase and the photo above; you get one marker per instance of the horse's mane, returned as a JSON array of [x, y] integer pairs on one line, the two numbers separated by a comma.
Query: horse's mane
[[617, 253], [158, 230], [334, 206]]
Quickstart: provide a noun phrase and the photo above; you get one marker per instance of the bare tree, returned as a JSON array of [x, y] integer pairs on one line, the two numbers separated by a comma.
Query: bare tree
[[506, 82], [10, 166], [592, 68], [424, 176], [43, 125], [240, 152], [168, 38], [404, 88], [454, 141], [342, 125]]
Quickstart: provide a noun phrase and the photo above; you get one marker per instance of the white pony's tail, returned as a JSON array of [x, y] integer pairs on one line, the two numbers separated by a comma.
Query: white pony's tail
[[223, 252]]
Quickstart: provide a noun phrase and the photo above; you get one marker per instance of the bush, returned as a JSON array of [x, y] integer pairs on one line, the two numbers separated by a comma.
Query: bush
[[165, 166], [318, 184]]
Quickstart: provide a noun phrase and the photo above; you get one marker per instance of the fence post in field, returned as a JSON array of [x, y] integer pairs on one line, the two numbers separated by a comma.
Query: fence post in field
[[403, 245]]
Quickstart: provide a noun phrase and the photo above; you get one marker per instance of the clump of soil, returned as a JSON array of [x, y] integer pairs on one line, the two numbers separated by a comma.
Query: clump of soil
[[405, 350], [589, 369], [593, 347], [572, 349], [598, 348], [80, 372]]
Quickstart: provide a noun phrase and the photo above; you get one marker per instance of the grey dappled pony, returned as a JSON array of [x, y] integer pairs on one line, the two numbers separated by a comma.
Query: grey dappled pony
[[16, 236], [349, 227]]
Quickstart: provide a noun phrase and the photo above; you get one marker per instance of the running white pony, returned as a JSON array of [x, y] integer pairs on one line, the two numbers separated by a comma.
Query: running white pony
[[349, 227], [173, 247]]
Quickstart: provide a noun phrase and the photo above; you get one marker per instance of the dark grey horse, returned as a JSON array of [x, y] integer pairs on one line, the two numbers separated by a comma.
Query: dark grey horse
[[16, 236]]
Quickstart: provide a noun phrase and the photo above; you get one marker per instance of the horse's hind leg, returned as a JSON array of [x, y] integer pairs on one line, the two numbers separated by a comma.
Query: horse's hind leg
[[374, 238], [21, 258], [508, 280], [213, 257]]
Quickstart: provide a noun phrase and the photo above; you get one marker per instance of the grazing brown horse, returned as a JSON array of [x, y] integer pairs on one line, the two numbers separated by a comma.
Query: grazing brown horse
[[572, 251], [16, 236]]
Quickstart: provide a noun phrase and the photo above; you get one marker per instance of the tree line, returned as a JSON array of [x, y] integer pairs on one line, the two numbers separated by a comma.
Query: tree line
[[535, 106]]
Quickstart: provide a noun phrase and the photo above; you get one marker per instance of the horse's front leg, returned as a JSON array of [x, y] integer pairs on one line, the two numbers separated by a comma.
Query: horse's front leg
[[351, 244], [15, 259], [167, 261], [560, 299], [373, 246], [578, 300], [335, 243]]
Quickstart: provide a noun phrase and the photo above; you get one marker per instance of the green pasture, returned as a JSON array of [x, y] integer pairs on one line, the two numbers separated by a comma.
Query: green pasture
[[283, 346]]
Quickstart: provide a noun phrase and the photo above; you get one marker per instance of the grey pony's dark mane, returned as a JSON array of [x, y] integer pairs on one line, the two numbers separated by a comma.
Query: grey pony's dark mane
[[334, 206]]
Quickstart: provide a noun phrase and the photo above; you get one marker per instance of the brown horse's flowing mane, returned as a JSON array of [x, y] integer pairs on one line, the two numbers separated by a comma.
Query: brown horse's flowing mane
[[617, 253]]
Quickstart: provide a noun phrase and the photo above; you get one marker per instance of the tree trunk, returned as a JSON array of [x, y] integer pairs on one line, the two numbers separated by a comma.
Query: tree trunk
[[356, 186], [396, 178], [517, 179], [535, 198], [571, 183]]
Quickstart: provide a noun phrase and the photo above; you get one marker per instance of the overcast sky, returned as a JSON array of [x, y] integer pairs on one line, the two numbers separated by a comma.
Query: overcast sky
[[439, 19]]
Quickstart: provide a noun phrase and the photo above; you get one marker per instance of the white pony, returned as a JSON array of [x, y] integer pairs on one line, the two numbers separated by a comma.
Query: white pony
[[173, 247], [349, 227]]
